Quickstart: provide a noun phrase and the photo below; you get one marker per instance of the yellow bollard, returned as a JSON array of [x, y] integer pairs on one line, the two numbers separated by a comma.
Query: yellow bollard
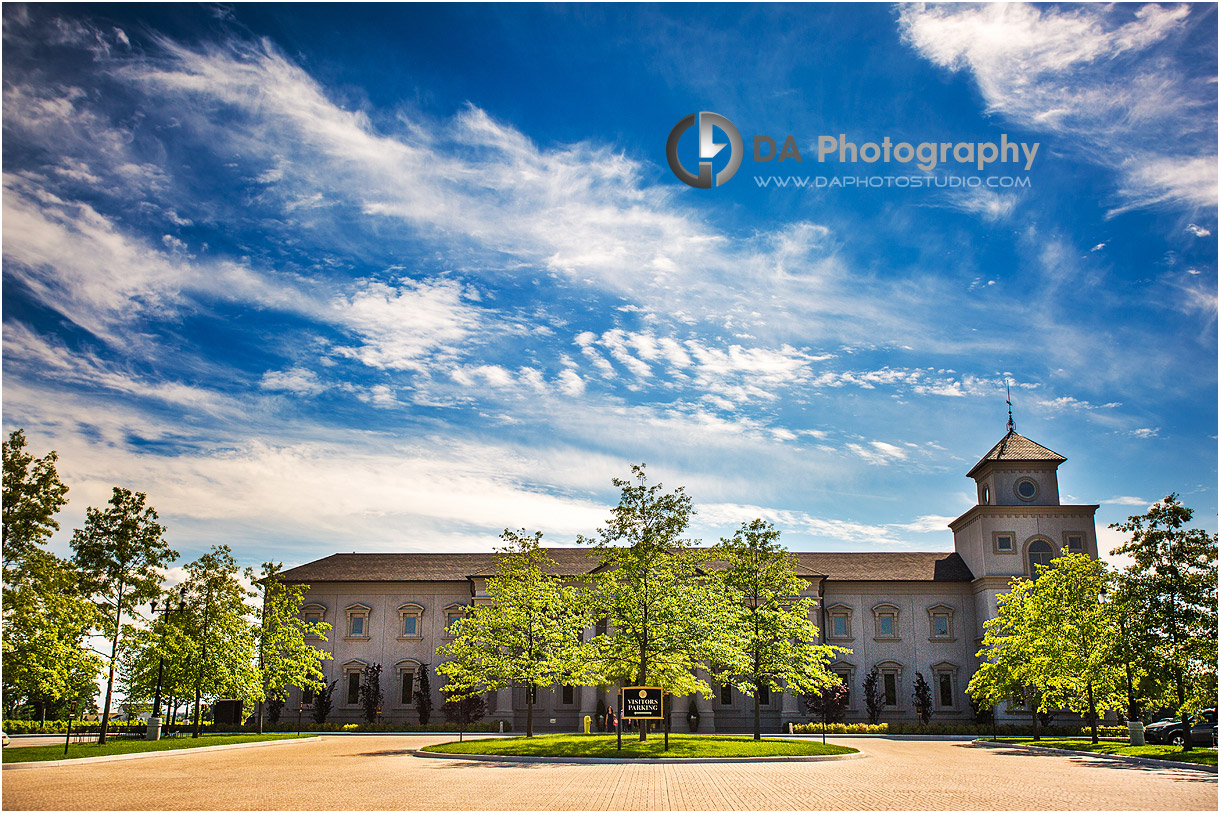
[[588, 724]]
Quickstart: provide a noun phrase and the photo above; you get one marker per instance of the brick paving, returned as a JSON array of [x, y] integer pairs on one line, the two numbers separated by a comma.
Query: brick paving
[[377, 773]]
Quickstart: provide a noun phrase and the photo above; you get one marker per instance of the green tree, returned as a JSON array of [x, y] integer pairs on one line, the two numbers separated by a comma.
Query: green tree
[[118, 554], [874, 697], [1173, 579], [285, 657], [773, 641], [423, 695], [921, 698], [527, 634], [666, 617], [1005, 675], [222, 634], [33, 495], [323, 702]]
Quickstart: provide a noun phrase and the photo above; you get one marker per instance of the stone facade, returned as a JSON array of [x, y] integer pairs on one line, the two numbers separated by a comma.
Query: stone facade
[[901, 612]]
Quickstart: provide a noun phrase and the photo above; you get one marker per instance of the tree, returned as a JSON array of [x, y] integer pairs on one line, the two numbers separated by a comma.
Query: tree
[[275, 707], [323, 702], [773, 642], [1005, 675], [527, 634], [370, 691], [423, 695], [33, 494], [827, 703], [1174, 579], [874, 697], [922, 698], [665, 616], [285, 657], [465, 710], [118, 554]]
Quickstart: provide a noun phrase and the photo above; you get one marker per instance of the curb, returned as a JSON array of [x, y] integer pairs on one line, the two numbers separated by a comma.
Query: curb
[[632, 760], [64, 763], [1149, 761]]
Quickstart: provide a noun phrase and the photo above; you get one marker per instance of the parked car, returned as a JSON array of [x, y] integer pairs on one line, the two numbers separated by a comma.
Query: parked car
[[1202, 729], [5, 735]]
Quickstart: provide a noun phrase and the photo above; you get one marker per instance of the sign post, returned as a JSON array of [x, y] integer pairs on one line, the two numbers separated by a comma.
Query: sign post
[[643, 703], [619, 726]]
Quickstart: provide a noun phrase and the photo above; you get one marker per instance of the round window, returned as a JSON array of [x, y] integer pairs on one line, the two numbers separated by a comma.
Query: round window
[[986, 495], [1027, 489]]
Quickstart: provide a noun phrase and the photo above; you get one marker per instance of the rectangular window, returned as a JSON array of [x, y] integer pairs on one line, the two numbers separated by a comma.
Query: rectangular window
[[726, 694], [311, 621], [1075, 543], [307, 697], [838, 626], [940, 625], [410, 626], [353, 688], [946, 689], [600, 629], [357, 625], [885, 626], [764, 695], [408, 688], [1003, 542], [844, 679], [891, 689], [568, 696]]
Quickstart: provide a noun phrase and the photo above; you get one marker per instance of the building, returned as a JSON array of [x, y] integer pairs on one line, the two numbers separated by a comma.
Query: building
[[901, 612]]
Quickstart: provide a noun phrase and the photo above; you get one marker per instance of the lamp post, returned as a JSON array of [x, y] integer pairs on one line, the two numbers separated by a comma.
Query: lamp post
[[154, 722]]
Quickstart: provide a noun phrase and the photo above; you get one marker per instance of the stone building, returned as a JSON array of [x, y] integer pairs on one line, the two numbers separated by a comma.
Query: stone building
[[901, 612]]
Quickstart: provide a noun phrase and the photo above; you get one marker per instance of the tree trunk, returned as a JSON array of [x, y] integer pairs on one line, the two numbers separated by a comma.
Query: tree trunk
[[757, 715], [1033, 715], [114, 654], [203, 656], [1186, 738], [529, 709], [1092, 712], [261, 670]]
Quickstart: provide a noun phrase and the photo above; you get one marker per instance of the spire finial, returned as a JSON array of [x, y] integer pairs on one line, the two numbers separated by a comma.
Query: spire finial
[[1008, 400]]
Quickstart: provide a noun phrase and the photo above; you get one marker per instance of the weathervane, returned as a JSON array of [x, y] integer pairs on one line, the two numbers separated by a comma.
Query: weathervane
[[1008, 400]]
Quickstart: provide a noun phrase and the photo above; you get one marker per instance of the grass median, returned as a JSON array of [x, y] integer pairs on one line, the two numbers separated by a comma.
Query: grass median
[[1173, 753], [46, 753], [681, 746]]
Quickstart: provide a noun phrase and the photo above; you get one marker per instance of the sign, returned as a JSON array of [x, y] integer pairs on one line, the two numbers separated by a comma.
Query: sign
[[643, 703]]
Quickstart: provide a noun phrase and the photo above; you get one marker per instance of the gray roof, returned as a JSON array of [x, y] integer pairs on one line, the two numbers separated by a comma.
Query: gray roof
[[408, 567], [1015, 446]]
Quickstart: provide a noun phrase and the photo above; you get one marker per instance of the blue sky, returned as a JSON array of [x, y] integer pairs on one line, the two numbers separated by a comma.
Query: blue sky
[[394, 278]]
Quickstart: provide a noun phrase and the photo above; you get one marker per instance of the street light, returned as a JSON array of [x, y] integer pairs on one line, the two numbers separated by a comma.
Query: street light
[[156, 710]]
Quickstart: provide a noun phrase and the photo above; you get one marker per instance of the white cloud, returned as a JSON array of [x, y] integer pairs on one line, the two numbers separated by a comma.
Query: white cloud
[[1137, 501], [1067, 402], [1198, 231], [296, 380], [1145, 432]]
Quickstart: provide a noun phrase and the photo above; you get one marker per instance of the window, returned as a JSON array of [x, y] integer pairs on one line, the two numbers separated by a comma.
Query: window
[[353, 688], [1026, 489], [307, 697], [1038, 553], [567, 697], [940, 622], [410, 621], [358, 621], [408, 688], [890, 681], [886, 621], [1003, 542], [726, 694], [945, 688], [452, 613], [985, 499], [601, 626], [764, 695], [1075, 543], [313, 615], [845, 678], [840, 622], [406, 681]]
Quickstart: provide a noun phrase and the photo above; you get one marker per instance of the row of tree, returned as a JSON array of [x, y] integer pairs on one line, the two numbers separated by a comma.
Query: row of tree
[[210, 640], [1086, 638], [663, 612]]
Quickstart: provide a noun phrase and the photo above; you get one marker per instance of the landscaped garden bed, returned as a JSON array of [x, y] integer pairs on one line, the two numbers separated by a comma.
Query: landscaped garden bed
[[681, 746], [47, 753]]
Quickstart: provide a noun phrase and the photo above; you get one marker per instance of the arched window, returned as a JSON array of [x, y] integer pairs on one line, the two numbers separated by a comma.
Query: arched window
[[1039, 552]]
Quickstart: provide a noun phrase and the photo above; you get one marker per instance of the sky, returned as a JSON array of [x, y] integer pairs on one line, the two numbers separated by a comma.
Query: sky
[[323, 278]]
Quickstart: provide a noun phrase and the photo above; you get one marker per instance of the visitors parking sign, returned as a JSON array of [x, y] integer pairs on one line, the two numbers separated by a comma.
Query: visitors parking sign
[[643, 703]]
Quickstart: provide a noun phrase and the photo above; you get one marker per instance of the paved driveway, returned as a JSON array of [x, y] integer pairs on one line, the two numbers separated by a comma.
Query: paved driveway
[[365, 772]]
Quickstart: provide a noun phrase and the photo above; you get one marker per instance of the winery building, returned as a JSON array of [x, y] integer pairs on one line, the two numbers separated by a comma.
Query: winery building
[[900, 612]]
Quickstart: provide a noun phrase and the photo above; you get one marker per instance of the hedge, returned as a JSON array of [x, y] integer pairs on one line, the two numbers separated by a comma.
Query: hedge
[[61, 727], [972, 729]]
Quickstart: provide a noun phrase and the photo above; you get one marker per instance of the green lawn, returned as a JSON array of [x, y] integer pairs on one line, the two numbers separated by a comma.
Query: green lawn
[[601, 745], [44, 753], [1202, 756]]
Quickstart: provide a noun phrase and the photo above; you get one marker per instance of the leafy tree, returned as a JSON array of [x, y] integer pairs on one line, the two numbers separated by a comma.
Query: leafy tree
[[1005, 674], [275, 707], [323, 702], [285, 657], [33, 495], [465, 710], [370, 691], [1173, 579], [922, 698], [118, 554], [773, 642], [874, 697], [528, 633], [423, 695], [666, 617], [827, 703]]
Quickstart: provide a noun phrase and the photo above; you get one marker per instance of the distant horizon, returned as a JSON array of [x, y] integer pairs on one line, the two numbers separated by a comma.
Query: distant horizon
[[388, 277]]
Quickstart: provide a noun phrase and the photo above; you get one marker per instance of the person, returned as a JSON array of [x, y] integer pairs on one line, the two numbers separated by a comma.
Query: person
[[609, 721]]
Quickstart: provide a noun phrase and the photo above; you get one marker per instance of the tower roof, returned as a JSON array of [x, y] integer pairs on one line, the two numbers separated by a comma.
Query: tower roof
[[1016, 447]]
